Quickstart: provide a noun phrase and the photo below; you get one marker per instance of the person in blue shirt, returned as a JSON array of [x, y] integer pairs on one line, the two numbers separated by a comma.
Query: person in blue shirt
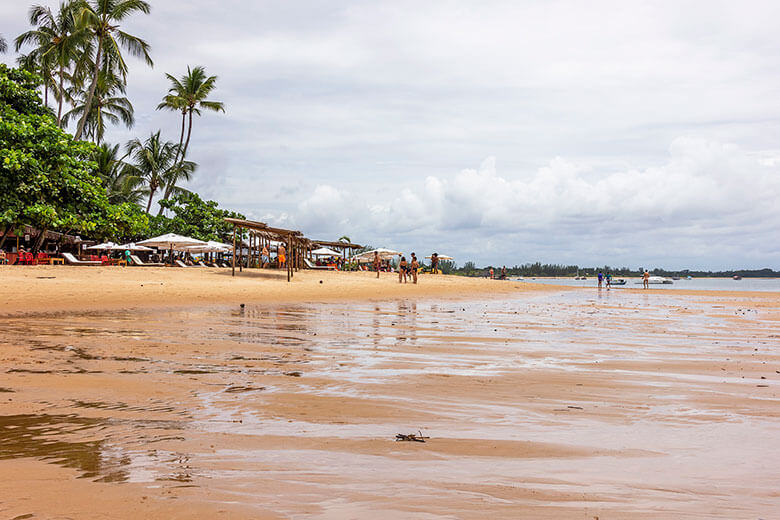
[[601, 278]]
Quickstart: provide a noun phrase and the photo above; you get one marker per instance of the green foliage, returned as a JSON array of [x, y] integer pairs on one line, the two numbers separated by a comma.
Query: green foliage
[[46, 178], [194, 217]]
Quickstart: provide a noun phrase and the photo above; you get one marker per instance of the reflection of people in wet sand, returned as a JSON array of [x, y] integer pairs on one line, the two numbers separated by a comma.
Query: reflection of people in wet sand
[[402, 266], [646, 280], [377, 263], [413, 267], [282, 254]]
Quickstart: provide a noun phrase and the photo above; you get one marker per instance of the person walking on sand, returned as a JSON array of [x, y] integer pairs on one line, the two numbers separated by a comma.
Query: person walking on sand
[[503, 273], [377, 263], [413, 267], [646, 280], [402, 270], [609, 280], [435, 263], [491, 273], [601, 278], [281, 253], [264, 257]]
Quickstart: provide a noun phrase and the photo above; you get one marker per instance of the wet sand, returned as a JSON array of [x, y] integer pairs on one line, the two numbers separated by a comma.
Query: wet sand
[[538, 403]]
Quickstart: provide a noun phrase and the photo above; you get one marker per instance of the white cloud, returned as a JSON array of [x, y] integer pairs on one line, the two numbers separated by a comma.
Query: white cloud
[[705, 193]]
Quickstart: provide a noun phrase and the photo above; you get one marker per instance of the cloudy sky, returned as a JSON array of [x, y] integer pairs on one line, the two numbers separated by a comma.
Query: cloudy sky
[[622, 133]]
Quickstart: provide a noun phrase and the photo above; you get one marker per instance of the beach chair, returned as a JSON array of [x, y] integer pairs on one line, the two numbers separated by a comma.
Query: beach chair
[[139, 262], [312, 266], [181, 264], [72, 260]]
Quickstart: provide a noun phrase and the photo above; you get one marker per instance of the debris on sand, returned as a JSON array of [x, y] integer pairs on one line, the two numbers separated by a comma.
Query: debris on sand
[[412, 437]]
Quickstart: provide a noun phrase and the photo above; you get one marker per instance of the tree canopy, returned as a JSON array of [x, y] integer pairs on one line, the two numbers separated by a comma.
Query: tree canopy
[[46, 177]]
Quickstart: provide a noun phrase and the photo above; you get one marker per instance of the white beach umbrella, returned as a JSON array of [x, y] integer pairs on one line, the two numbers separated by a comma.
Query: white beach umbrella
[[132, 246], [441, 257], [368, 256], [324, 251], [210, 247], [172, 241], [104, 246]]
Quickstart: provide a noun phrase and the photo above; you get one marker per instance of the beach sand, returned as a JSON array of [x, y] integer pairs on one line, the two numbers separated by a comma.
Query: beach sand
[[151, 393]]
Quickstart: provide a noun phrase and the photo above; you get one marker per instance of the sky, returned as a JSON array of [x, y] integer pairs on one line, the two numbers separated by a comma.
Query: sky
[[622, 133]]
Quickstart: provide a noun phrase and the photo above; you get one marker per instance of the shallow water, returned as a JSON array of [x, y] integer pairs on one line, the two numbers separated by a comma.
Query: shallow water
[[696, 284], [613, 403]]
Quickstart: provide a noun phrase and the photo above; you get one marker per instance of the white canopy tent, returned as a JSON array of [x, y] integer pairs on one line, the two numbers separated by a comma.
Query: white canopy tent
[[324, 251]]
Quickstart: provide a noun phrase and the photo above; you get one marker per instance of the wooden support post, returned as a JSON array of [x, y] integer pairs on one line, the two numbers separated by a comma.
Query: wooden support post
[[234, 250], [287, 260]]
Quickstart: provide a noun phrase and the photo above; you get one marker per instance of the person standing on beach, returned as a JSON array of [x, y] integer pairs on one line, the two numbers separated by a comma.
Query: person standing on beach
[[609, 280], [503, 273], [491, 273], [601, 278], [377, 263], [264, 256], [413, 266], [646, 280], [435, 263], [402, 269], [281, 253]]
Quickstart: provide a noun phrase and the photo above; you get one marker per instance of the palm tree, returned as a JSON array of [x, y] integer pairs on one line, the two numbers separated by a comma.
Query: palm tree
[[101, 19], [57, 42], [155, 162], [3, 45], [32, 63], [188, 95], [120, 182], [107, 106]]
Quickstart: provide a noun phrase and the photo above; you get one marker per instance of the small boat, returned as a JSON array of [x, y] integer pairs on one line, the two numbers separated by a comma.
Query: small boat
[[580, 277], [737, 277], [675, 277], [619, 281], [656, 280]]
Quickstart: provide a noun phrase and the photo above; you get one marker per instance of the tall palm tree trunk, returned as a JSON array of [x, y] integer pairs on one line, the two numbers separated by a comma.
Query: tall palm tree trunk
[[91, 94], [59, 108], [189, 133], [169, 188], [149, 204]]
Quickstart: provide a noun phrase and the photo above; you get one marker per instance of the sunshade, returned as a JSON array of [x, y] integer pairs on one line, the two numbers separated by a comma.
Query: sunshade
[[172, 241], [132, 246], [368, 256], [104, 246], [441, 257], [210, 247], [324, 251]]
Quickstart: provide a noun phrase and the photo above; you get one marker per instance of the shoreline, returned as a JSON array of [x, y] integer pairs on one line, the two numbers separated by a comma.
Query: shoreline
[[56, 289]]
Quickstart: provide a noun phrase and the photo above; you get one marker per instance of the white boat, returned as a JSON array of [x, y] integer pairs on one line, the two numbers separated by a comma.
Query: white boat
[[657, 280]]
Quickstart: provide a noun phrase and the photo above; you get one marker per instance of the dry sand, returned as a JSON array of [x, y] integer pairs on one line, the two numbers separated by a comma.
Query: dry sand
[[150, 393]]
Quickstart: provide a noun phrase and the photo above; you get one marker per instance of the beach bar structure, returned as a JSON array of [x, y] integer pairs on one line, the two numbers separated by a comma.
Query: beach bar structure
[[261, 234]]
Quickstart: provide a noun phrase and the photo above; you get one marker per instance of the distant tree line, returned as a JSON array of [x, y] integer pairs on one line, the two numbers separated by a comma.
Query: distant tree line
[[560, 270]]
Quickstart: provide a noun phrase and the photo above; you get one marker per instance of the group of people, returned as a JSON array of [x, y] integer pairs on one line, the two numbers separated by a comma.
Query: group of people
[[605, 278], [502, 276], [407, 270]]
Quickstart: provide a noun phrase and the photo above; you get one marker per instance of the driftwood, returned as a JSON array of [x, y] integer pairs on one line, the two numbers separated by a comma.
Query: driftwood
[[412, 437]]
